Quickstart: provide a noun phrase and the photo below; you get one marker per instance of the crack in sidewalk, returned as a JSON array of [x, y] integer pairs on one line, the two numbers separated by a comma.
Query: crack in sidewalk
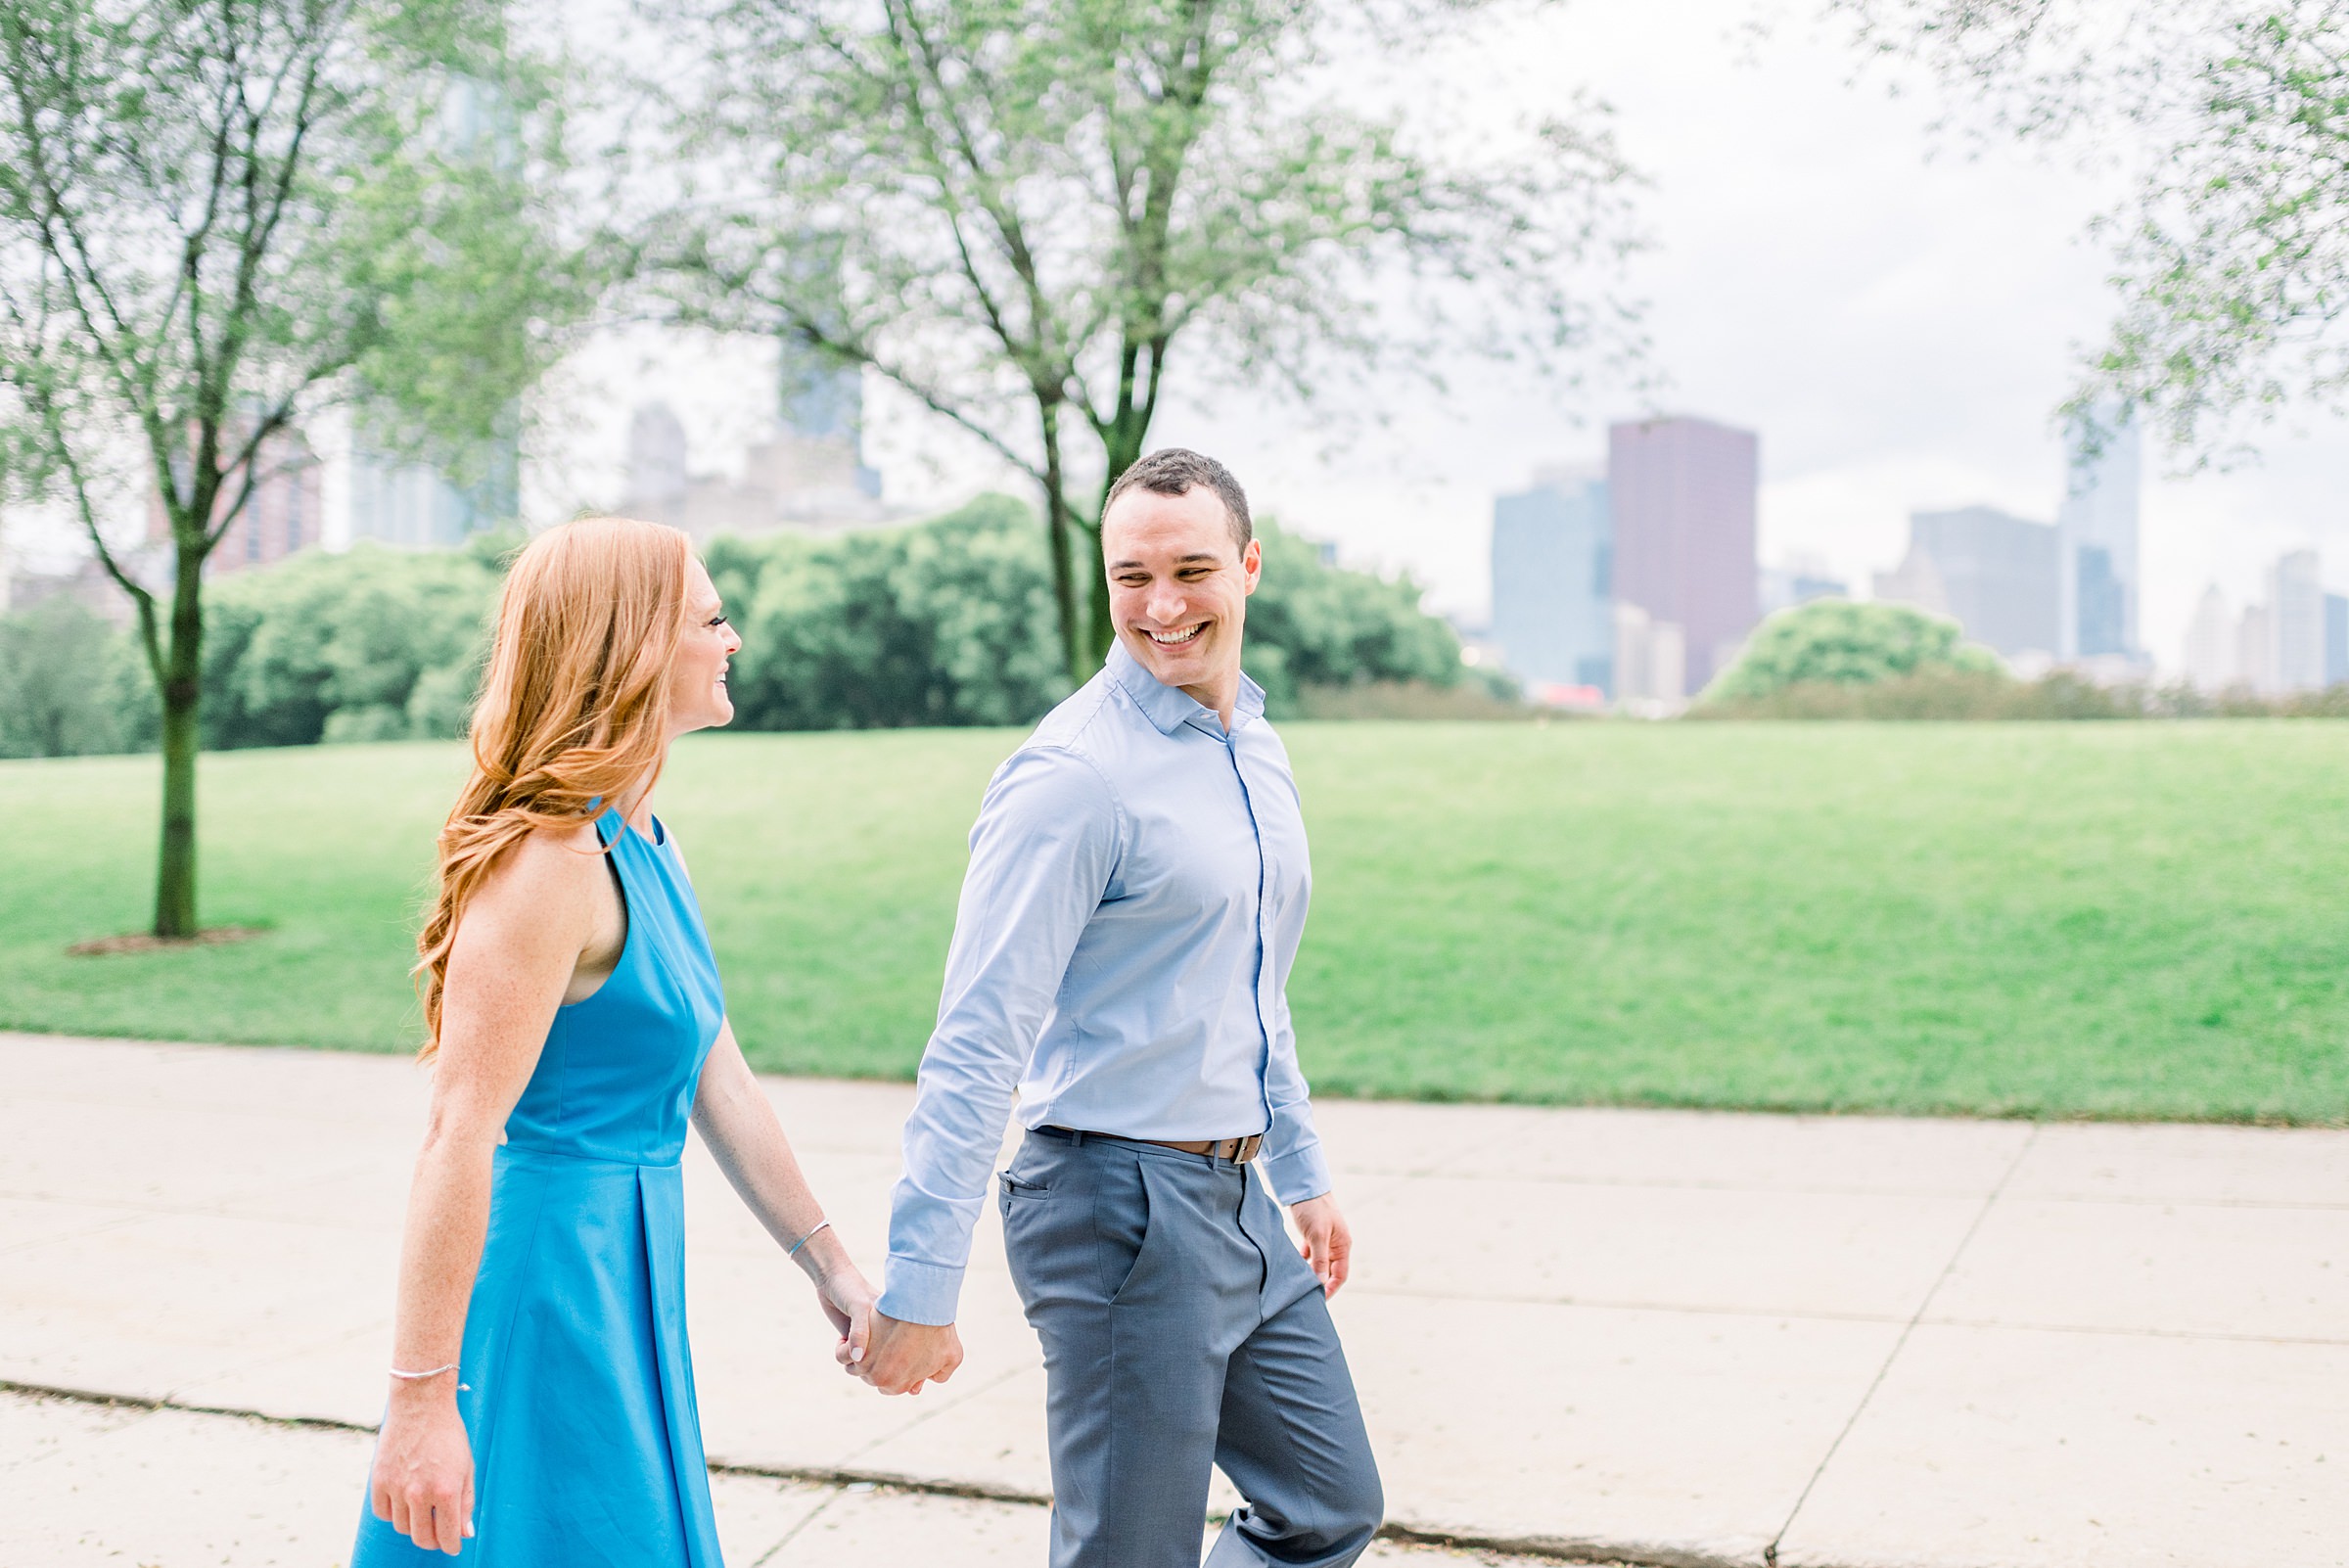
[[1551, 1549], [1770, 1554]]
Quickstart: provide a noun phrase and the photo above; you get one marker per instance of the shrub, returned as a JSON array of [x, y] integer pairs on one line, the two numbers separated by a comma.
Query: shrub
[[69, 684], [1838, 643], [371, 644]]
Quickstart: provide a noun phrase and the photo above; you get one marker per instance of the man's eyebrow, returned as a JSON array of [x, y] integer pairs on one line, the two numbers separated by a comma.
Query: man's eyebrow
[[1208, 556]]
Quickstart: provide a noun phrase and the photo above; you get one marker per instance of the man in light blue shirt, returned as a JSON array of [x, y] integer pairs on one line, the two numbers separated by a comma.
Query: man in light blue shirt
[[1137, 888]]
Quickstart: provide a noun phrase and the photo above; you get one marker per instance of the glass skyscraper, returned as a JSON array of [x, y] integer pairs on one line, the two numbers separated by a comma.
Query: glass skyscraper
[[2097, 603], [1552, 571]]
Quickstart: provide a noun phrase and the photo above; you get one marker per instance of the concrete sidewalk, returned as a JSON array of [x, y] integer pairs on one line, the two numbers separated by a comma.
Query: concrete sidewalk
[[172, 1489], [1670, 1338]]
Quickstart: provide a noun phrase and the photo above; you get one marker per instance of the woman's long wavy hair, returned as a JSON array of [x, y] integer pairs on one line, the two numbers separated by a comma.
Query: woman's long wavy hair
[[573, 708]]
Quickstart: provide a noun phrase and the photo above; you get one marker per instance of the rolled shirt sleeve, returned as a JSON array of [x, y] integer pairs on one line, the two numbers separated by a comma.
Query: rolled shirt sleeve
[[1294, 1166], [1042, 852]]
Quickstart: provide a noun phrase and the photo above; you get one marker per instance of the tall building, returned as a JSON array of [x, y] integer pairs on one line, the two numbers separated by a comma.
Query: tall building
[[2337, 639], [1799, 581], [1683, 494], [1553, 603], [2213, 658], [284, 512], [817, 464], [1998, 572], [2096, 527], [1652, 665], [2296, 605], [420, 504], [656, 480], [2255, 649]]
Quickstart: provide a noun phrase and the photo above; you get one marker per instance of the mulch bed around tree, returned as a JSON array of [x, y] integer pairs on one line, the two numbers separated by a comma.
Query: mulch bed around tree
[[147, 941]]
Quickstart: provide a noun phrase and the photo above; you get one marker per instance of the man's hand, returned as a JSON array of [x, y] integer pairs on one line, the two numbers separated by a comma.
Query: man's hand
[[902, 1356], [1329, 1244]]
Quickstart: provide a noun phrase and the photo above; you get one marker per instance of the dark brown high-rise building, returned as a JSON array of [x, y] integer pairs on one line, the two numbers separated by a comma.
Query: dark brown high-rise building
[[1682, 491]]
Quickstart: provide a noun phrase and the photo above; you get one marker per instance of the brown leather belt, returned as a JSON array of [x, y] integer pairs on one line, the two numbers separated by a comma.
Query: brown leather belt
[[1239, 1151]]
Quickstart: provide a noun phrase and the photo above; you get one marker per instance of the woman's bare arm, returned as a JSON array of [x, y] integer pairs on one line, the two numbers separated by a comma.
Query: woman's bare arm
[[738, 1123], [522, 937]]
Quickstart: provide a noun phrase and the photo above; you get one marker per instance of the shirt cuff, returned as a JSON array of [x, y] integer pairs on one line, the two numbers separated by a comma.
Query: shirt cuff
[[918, 1292], [1294, 1177]]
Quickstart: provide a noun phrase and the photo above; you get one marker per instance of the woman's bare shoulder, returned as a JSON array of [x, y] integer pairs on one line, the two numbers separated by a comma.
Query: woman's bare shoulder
[[548, 872]]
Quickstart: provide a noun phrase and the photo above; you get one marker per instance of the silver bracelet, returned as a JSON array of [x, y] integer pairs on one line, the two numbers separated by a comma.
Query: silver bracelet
[[820, 1225], [413, 1377]]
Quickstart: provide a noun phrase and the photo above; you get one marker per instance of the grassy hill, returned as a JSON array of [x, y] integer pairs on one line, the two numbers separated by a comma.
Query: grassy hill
[[2123, 920]]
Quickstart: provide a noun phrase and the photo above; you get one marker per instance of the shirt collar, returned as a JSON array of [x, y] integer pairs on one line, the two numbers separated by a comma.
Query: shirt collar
[[1169, 707]]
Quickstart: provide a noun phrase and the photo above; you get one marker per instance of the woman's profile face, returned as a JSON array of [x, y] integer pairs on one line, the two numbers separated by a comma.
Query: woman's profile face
[[697, 690]]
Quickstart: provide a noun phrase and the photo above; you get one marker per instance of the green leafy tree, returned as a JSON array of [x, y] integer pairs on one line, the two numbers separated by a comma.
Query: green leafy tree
[[1027, 214], [375, 644], [1314, 624], [941, 624], [2232, 246], [948, 622], [1830, 641], [60, 664], [218, 215]]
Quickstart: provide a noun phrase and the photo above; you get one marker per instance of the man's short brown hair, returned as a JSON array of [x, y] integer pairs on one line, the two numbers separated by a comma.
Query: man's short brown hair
[[1173, 471]]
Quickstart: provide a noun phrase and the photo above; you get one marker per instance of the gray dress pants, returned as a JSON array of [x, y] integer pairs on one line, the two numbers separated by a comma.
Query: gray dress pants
[[1181, 1331]]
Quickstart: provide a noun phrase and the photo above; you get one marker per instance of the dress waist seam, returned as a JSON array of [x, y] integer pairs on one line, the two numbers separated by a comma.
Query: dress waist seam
[[541, 1151]]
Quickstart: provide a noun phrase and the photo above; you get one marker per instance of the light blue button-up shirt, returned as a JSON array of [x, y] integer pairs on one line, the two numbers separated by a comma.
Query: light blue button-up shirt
[[1138, 886]]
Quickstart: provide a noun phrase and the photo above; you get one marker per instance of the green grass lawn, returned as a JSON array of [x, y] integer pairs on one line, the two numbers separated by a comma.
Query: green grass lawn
[[2095, 919]]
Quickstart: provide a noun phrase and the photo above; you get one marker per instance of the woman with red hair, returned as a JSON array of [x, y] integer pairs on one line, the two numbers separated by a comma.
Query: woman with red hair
[[542, 1408]]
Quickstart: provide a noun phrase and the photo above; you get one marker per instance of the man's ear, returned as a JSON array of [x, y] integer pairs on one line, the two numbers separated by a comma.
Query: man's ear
[[1252, 564]]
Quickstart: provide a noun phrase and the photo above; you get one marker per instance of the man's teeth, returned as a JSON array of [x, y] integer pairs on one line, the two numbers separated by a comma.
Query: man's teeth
[[1169, 639]]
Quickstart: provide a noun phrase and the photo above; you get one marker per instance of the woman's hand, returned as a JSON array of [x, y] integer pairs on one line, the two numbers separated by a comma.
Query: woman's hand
[[423, 1479], [846, 1299]]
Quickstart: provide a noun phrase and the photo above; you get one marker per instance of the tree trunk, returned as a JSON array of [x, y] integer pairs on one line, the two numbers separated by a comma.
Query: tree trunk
[[1104, 630], [1122, 445], [183, 694], [1073, 639]]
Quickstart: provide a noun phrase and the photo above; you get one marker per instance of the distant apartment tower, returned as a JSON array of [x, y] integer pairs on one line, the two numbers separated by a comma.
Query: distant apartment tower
[[282, 514], [2337, 639], [1994, 574], [2296, 605], [2255, 649], [1798, 583], [2097, 605], [1552, 590], [2213, 654], [1682, 493]]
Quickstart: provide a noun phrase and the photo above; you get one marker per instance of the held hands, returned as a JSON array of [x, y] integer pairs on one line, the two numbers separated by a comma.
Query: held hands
[[422, 1483], [846, 1299], [905, 1356], [1329, 1244]]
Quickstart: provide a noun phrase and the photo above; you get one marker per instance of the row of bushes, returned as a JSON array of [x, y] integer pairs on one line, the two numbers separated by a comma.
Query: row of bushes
[[1966, 695], [945, 623], [1833, 660]]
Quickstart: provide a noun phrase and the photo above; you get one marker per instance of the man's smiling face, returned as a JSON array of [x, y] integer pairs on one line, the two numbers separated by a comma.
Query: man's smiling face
[[1179, 586]]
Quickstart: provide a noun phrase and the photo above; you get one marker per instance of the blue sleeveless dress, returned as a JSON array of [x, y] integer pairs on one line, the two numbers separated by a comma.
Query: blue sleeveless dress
[[579, 1400]]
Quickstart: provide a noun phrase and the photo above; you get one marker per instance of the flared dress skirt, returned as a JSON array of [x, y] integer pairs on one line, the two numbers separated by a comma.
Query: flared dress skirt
[[577, 1382]]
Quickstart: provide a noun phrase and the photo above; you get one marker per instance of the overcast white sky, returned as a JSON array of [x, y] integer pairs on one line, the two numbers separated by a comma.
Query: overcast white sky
[[1897, 319]]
